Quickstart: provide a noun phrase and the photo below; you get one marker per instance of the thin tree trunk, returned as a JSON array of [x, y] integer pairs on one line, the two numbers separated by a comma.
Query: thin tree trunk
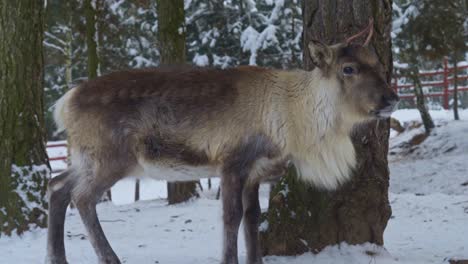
[[137, 190], [69, 55], [93, 60], [418, 92], [24, 167], [171, 34], [420, 102], [455, 90], [302, 218], [91, 7], [100, 33]]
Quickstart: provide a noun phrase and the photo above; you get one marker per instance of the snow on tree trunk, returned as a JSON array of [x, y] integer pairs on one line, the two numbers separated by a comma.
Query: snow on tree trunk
[[24, 167], [301, 218], [171, 43]]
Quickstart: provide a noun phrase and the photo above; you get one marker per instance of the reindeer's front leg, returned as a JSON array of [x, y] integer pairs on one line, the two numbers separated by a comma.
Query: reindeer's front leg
[[264, 169], [256, 159]]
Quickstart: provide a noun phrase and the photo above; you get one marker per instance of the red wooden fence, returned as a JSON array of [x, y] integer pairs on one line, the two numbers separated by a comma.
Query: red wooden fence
[[445, 83], [57, 158]]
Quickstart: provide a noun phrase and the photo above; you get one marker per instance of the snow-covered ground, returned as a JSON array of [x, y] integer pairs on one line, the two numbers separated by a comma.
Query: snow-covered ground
[[429, 198]]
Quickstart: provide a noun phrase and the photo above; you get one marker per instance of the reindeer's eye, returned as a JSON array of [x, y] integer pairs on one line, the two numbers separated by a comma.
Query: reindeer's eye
[[348, 70]]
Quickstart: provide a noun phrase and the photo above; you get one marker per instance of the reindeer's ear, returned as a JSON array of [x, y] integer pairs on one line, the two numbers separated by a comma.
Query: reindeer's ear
[[320, 54]]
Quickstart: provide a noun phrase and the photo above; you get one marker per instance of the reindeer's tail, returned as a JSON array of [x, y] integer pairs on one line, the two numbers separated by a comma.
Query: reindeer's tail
[[61, 110]]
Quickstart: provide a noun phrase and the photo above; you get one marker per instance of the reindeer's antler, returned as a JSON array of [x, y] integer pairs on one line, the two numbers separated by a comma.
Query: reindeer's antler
[[371, 32], [369, 28]]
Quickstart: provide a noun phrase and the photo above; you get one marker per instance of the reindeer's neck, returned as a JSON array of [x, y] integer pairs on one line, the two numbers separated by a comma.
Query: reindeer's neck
[[315, 108], [318, 134]]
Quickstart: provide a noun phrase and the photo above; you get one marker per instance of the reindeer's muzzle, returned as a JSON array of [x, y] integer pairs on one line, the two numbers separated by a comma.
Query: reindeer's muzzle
[[388, 105]]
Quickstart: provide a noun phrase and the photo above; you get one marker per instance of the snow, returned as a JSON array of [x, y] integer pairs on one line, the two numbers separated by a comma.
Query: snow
[[251, 5], [116, 5], [249, 43], [201, 60], [252, 40], [27, 186], [402, 17], [406, 115], [428, 195], [255, 38], [399, 65]]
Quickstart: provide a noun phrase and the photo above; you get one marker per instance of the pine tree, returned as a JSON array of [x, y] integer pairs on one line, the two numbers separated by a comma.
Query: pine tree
[[410, 43], [436, 33], [24, 167], [213, 33]]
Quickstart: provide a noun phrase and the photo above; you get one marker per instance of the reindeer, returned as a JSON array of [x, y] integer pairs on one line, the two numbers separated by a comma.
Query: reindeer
[[246, 124]]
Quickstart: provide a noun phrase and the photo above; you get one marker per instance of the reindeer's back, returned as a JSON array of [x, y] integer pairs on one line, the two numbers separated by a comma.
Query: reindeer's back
[[166, 100]]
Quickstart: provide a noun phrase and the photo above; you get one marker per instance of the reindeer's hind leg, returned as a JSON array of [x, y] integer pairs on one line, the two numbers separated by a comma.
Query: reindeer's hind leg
[[251, 222], [86, 195], [231, 192], [59, 198]]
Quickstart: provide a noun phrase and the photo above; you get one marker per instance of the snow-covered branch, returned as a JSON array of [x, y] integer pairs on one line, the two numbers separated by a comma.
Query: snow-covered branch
[[47, 34], [50, 45]]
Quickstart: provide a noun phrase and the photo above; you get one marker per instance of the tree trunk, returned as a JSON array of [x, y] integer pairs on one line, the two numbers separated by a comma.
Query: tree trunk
[[24, 167], [421, 102], [302, 218], [137, 190], [418, 91], [100, 20], [455, 90], [69, 54], [93, 61], [171, 31], [171, 35], [90, 7]]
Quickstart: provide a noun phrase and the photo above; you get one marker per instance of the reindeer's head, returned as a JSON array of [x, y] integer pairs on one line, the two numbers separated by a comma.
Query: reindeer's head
[[359, 73]]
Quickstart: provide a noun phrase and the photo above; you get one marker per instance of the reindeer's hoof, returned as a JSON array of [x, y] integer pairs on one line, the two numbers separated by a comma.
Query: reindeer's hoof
[[231, 261], [56, 260], [110, 259], [255, 262]]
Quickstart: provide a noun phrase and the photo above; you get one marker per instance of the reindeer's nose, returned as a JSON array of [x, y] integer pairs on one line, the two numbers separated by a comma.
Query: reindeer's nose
[[394, 96], [393, 99], [390, 98]]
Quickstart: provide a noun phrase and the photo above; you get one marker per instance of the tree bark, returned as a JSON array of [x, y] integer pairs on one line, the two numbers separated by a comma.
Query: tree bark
[[171, 31], [301, 218], [24, 166], [171, 43]]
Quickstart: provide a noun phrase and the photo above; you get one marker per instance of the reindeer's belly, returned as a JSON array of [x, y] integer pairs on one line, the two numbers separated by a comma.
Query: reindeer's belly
[[172, 172]]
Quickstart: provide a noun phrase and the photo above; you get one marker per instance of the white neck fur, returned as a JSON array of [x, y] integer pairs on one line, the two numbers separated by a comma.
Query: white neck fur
[[319, 133]]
